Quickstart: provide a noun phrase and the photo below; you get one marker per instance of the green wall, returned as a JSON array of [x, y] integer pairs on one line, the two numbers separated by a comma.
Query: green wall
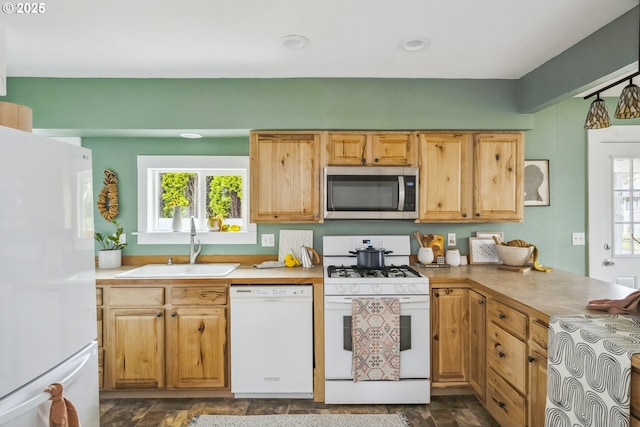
[[115, 115]]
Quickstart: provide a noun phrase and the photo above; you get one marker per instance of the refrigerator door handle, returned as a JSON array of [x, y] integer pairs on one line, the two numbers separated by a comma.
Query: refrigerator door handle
[[10, 409]]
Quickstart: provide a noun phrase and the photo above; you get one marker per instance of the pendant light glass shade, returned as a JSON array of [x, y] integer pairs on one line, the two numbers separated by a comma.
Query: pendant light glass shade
[[598, 116], [629, 103]]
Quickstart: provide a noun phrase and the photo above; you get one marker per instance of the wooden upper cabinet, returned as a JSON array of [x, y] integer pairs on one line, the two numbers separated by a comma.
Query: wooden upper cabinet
[[444, 176], [499, 176], [371, 149], [285, 177], [471, 177]]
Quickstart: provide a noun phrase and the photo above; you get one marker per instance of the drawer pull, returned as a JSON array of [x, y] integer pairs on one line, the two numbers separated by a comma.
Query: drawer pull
[[531, 359], [501, 404], [174, 314], [501, 354], [159, 314], [502, 316]]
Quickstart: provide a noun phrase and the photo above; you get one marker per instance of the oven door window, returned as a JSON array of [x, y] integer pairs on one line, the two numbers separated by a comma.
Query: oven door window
[[405, 333], [362, 193]]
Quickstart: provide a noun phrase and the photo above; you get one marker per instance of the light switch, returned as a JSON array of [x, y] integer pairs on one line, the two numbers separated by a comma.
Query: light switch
[[268, 240], [577, 239]]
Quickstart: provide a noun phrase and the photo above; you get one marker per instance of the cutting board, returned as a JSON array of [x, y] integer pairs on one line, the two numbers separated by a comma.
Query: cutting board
[[292, 240]]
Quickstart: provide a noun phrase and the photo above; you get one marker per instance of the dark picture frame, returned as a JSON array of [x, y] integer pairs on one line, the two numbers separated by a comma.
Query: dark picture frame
[[536, 183]]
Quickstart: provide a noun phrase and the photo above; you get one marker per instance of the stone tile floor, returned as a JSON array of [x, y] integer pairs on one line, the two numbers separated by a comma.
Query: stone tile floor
[[443, 411]]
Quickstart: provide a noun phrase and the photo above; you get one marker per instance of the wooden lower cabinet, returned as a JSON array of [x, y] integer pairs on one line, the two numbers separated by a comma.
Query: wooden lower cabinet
[[450, 335], [477, 343], [196, 347], [135, 350], [166, 337]]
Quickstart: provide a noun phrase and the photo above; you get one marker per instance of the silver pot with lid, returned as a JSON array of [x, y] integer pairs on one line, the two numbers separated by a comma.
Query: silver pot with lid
[[370, 257]]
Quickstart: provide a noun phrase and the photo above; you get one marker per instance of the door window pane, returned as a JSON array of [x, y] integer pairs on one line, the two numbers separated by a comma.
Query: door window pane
[[626, 207]]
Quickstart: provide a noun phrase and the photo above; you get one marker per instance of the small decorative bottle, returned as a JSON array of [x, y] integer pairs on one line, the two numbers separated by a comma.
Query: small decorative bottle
[[176, 223]]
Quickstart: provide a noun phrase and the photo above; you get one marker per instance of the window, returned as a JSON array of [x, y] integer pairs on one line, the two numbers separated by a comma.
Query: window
[[172, 189], [626, 206]]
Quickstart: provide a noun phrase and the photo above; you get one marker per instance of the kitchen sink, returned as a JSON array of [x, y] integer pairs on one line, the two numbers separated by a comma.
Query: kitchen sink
[[180, 270]]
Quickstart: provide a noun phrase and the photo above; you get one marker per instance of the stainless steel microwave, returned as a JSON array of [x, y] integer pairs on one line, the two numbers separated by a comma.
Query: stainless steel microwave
[[370, 192]]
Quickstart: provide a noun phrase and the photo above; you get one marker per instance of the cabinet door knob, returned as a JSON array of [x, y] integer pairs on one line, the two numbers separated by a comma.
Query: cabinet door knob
[[480, 301], [159, 314], [501, 404], [464, 215], [502, 316], [174, 314], [501, 354], [376, 160], [531, 359]]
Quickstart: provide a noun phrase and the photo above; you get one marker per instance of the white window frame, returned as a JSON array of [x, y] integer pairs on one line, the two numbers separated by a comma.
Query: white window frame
[[146, 165]]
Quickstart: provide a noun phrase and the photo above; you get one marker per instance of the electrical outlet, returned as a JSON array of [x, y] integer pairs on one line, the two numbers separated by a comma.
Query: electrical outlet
[[451, 239], [268, 240], [577, 239]]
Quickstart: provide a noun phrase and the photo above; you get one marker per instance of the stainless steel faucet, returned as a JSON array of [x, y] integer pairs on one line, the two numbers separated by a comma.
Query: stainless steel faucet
[[195, 247]]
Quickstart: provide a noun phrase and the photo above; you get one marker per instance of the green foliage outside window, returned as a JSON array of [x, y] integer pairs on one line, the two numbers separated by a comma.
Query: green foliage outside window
[[225, 196], [177, 190]]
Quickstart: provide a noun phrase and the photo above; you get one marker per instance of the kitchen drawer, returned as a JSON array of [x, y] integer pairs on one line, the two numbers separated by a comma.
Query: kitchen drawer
[[136, 297], [507, 355], [504, 403], [539, 334], [98, 296], [204, 295], [507, 318]]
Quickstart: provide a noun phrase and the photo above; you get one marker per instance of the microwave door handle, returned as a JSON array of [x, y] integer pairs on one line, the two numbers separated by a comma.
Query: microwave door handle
[[400, 192]]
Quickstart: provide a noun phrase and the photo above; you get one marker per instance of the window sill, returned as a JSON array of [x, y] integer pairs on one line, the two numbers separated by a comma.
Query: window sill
[[249, 237]]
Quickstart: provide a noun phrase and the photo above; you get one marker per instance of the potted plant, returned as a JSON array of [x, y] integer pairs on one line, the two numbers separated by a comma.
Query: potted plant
[[110, 256]]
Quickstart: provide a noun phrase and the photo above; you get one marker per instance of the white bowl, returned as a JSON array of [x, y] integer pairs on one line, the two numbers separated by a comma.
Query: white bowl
[[514, 255]]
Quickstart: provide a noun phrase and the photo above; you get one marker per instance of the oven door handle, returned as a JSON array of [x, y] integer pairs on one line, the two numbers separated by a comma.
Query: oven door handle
[[342, 301]]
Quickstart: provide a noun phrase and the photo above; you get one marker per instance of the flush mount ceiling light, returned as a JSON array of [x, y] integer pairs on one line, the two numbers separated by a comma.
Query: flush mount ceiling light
[[294, 41], [628, 105], [414, 44], [190, 135]]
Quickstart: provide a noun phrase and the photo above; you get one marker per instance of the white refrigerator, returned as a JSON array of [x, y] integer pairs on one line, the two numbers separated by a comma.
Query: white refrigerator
[[47, 280]]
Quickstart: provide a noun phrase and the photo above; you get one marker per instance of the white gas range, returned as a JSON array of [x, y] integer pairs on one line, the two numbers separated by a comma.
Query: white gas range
[[344, 281]]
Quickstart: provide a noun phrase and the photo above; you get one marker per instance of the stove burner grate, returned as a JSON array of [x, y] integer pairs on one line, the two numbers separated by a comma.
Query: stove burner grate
[[392, 271]]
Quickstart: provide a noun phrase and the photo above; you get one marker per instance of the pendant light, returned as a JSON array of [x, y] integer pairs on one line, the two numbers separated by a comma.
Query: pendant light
[[598, 116], [628, 105]]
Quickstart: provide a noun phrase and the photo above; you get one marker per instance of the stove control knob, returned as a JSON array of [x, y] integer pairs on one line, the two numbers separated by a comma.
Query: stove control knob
[[340, 289], [377, 288], [401, 289], [354, 289], [413, 288]]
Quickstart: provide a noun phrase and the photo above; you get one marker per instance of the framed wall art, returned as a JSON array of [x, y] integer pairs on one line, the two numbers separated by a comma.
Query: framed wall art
[[536, 183], [482, 250]]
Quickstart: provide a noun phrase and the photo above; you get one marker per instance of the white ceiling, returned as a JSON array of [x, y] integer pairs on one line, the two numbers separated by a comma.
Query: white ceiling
[[478, 39]]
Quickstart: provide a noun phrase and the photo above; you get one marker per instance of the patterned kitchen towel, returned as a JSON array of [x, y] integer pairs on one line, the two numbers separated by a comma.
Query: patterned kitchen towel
[[589, 370], [375, 332]]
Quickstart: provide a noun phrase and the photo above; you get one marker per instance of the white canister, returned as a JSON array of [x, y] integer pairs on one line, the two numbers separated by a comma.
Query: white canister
[[452, 257], [425, 255]]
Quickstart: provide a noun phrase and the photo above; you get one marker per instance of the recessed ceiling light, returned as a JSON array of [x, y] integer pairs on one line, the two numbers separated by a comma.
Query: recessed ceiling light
[[190, 135], [414, 44], [294, 41]]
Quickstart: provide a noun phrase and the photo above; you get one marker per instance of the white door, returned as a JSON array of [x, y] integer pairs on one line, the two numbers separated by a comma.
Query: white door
[[614, 205]]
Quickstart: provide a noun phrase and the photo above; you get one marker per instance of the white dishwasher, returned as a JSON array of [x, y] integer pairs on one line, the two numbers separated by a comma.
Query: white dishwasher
[[272, 341]]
